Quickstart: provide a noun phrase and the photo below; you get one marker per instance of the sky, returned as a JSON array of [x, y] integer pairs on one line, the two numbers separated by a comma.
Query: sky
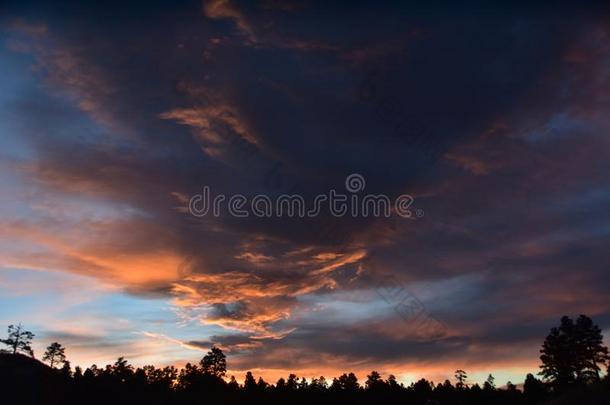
[[496, 121]]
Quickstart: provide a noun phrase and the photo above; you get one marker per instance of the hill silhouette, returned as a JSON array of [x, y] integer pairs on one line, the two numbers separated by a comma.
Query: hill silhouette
[[30, 381]]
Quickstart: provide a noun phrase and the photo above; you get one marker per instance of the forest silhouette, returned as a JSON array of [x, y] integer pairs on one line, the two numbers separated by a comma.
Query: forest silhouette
[[574, 370]]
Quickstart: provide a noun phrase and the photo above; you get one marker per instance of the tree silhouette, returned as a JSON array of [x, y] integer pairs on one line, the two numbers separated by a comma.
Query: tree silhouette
[[573, 352], [461, 377], [261, 385], [121, 383], [350, 383], [163, 378], [214, 363], [280, 384], [374, 381], [318, 383], [447, 386], [121, 370], [591, 349], [346, 382], [233, 384], [249, 382], [422, 387], [490, 383], [302, 385], [392, 383], [559, 361], [78, 373], [291, 383], [19, 340], [189, 376], [55, 354], [533, 389], [66, 370]]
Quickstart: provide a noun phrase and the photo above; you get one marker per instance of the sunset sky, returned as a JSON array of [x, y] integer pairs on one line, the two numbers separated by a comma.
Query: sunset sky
[[496, 122]]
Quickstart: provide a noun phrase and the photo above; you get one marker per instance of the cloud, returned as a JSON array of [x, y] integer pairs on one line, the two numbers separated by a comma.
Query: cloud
[[502, 142], [219, 9], [66, 69], [254, 302], [192, 345], [211, 124], [255, 27]]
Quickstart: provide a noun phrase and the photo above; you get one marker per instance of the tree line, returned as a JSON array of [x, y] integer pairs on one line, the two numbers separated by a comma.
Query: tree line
[[573, 365]]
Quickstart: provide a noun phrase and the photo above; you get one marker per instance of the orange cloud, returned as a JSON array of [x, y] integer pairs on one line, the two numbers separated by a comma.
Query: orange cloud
[[218, 9], [207, 120]]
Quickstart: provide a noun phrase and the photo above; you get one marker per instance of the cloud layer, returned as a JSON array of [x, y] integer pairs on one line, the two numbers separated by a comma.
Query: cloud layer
[[495, 122]]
